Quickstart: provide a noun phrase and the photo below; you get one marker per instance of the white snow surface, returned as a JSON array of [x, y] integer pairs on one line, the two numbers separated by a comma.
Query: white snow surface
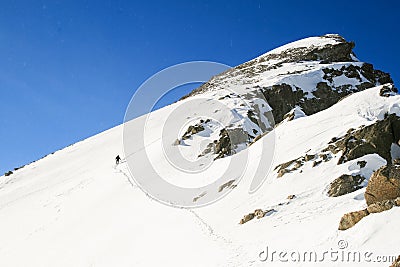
[[315, 41], [76, 208]]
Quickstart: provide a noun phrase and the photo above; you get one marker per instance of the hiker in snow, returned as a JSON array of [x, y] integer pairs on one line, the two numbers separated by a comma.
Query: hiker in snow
[[117, 159]]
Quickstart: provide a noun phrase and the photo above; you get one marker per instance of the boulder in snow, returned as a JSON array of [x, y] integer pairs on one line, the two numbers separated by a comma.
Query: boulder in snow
[[345, 184], [384, 184], [350, 219]]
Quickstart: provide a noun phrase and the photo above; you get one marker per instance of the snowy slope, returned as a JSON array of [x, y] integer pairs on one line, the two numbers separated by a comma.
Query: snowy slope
[[76, 208]]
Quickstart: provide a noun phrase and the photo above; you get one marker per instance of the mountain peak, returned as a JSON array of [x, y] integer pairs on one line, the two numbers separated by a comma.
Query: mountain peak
[[305, 77], [327, 48]]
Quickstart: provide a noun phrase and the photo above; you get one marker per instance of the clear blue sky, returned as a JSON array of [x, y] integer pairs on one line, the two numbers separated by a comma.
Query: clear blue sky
[[69, 68]]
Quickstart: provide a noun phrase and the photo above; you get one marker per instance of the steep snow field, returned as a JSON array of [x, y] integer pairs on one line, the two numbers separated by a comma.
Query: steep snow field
[[76, 208]]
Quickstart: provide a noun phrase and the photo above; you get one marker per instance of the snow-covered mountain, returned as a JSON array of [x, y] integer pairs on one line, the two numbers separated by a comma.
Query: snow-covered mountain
[[335, 122]]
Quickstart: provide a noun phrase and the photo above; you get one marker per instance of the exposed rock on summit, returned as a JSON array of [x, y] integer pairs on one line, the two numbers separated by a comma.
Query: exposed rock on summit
[[296, 80], [329, 57]]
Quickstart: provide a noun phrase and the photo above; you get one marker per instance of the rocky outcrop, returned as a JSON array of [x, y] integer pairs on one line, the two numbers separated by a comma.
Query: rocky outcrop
[[228, 140], [288, 94], [378, 207], [283, 97], [258, 213], [388, 90], [247, 218], [194, 129], [376, 138], [350, 219], [223, 146], [340, 52], [226, 185], [384, 184], [345, 184], [382, 193], [296, 164]]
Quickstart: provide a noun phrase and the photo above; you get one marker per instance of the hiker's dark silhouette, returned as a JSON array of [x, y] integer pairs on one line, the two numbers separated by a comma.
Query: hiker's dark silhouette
[[117, 159]]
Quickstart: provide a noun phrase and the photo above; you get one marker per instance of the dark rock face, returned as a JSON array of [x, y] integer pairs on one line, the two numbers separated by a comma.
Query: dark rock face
[[362, 163], [223, 145], [368, 71], [376, 138], [388, 90], [228, 139], [350, 219], [345, 184], [193, 129], [383, 185], [283, 98], [8, 173]]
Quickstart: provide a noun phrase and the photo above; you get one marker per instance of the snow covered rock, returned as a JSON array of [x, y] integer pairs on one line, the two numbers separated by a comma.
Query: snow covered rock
[[388, 90], [296, 80], [313, 74], [294, 114], [376, 138]]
